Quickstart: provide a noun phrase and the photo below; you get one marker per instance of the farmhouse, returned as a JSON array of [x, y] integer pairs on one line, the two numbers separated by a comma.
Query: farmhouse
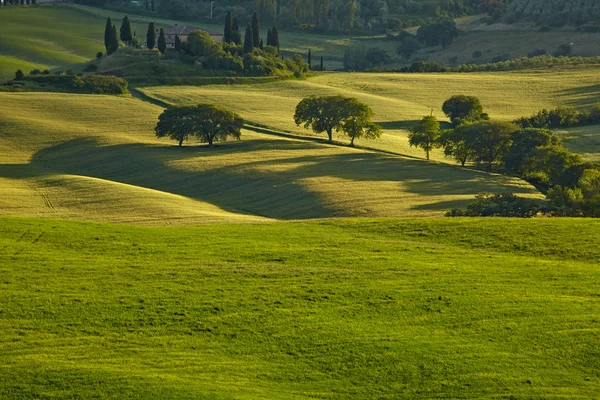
[[183, 31]]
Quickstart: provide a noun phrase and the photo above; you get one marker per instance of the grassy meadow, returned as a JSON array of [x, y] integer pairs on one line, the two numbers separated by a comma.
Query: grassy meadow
[[337, 309], [96, 158], [399, 100]]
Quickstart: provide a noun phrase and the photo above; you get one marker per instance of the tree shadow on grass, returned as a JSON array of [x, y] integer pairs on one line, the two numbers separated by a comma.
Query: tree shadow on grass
[[585, 96], [249, 180]]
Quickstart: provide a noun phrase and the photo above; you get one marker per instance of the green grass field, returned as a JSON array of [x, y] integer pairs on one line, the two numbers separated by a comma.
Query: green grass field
[[399, 100], [96, 158], [353, 309]]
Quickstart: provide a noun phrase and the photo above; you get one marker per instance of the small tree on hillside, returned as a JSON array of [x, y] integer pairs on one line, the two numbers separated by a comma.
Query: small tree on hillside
[[489, 141], [409, 47], [269, 38], [228, 32], [114, 40], [321, 114], [455, 145], [19, 75], [162, 42], [107, 35], [126, 35], [151, 36], [309, 59], [209, 123], [357, 121], [321, 67], [248, 39], [463, 109], [425, 135], [255, 30], [275, 37]]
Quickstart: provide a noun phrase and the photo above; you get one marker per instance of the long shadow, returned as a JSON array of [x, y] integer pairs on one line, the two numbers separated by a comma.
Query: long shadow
[[585, 96], [407, 124], [271, 188]]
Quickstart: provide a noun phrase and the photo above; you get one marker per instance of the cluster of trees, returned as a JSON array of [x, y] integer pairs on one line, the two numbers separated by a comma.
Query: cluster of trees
[[552, 12], [342, 114], [70, 83], [113, 38], [561, 117], [18, 2], [534, 154], [208, 123]]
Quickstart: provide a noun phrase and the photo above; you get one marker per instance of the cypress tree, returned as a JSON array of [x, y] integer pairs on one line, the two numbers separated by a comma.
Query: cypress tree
[[248, 39], [151, 36], [309, 59], [126, 35], [152, 6], [322, 69], [261, 45], [275, 37], [237, 35], [162, 41], [147, 6], [255, 30], [177, 43], [114, 40], [228, 33], [107, 33], [269, 38]]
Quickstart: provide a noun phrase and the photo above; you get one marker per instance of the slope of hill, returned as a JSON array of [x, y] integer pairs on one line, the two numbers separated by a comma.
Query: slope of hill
[[353, 309], [96, 158], [398, 100]]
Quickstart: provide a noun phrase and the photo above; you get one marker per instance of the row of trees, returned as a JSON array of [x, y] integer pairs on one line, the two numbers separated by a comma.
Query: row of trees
[[125, 34], [18, 2], [534, 154]]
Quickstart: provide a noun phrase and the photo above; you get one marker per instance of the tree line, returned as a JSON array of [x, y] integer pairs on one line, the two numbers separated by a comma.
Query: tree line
[[532, 153], [18, 2]]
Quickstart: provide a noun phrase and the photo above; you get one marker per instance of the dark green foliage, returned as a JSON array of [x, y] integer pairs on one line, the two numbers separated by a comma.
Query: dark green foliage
[[162, 43], [151, 35], [309, 61], [261, 45], [561, 117], [439, 33], [107, 35], [206, 122], [236, 35], [19, 75], [524, 144], [408, 47], [326, 113], [275, 37], [152, 6], [488, 141], [99, 55], [114, 41], [563, 50], [501, 205], [376, 56], [536, 53], [463, 109], [321, 67], [255, 31], [248, 39], [91, 84], [477, 54], [126, 34], [228, 31], [269, 38], [425, 135], [177, 43]]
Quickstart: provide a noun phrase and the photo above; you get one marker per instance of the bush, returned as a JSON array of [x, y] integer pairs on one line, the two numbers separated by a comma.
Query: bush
[[19, 75], [477, 54], [99, 55], [93, 84], [537, 52], [501, 205]]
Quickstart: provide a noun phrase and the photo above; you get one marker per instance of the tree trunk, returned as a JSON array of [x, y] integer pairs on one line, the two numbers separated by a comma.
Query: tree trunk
[[427, 156], [352, 141], [463, 162], [330, 135], [180, 141], [210, 141]]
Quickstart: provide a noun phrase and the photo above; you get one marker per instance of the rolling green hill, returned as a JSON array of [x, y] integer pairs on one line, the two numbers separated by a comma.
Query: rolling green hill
[[398, 100], [353, 309], [96, 158]]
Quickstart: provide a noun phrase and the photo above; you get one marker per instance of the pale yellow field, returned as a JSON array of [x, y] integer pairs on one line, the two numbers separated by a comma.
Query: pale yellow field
[[398, 100], [96, 158]]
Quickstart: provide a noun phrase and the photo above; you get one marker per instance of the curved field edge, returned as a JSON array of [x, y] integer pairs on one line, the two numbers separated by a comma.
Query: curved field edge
[[96, 158], [354, 308]]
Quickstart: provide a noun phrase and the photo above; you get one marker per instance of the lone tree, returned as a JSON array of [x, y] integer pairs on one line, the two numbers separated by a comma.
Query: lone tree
[[425, 135], [207, 122], [309, 59], [162, 42], [236, 34], [151, 36], [275, 37], [255, 30], [107, 34], [114, 40], [358, 121], [228, 32], [177, 43], [126, 35], [321, 67], [248, 39], [464, 109]]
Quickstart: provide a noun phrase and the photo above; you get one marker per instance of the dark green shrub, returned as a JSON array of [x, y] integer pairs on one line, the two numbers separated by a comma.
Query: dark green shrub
[[501, 205]]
